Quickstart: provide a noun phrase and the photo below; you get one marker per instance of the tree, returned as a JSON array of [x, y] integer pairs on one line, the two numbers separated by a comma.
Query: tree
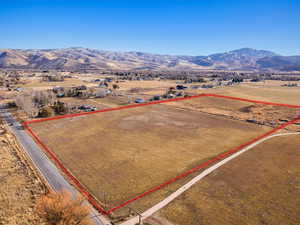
[[115, 86], [25, 101], [237, 80], [2, 80], [32, 101], [171, 90], [44, 98], [60, 107], [61, 209], [46, 111]]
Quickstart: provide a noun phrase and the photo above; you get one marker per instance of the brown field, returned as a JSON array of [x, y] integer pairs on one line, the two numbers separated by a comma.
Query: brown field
[[263, 114], [147, 85], [38, 84], [268, 91], [259, 187], [100, 103], [19, 186], [121, 154]]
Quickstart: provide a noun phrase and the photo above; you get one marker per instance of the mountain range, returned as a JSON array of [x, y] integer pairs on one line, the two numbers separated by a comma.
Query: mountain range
[[84, 58]]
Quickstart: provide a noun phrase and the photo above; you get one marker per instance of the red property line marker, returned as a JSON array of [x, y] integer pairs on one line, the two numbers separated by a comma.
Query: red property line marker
[[253, 101], [77, 183], [205, 164], [160, 102], [83, 190]]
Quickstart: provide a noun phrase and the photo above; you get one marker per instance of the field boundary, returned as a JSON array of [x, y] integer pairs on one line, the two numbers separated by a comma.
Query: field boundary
[[92, 199]]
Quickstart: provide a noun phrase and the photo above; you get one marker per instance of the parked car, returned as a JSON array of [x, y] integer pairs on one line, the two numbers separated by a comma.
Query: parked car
[[87, 108]]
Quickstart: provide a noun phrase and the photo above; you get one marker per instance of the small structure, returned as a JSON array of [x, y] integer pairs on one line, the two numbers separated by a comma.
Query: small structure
[[103, 84], [139, 100], [53, 78], [181, 87], [108, 79], [156, 97]]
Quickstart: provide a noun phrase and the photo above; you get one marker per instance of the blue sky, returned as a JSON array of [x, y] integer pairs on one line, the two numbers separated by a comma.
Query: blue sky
[[191, 27]]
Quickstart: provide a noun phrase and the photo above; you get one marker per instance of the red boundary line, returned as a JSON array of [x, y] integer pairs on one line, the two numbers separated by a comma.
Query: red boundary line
[[77, 183], [83, 190]]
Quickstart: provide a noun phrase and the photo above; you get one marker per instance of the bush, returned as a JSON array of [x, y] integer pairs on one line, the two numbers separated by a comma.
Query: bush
[[60, 108], [115, 86], [46, 112], [61, 209]]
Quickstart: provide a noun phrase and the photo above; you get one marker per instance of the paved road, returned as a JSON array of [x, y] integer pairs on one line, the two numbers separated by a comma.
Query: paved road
[[46, 168], [188, 185]]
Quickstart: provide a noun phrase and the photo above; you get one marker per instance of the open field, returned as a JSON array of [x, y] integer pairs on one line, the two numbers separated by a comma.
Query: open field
[[259, 187], [147, 85], [121, 154], [258, 113], [37, 83], [100, 103], [268, 91]]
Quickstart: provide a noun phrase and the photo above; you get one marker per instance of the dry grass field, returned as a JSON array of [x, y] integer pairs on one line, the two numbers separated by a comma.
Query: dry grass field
[[269, 90], [100, 103], [265, 91], [147, 85], [262, 114], [121, 154], [36, 83], [259, 187], [19, 186]]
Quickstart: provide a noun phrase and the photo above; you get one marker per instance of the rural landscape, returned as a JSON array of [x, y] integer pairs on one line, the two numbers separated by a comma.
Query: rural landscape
[[125, 137]]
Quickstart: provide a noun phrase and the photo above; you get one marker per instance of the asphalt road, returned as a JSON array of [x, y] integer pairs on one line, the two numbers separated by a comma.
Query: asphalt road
[[42, 163]]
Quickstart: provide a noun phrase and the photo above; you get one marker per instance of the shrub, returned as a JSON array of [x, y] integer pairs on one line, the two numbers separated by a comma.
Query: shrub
[[61, 209], [46, 112], [60, 108], [115, 86]]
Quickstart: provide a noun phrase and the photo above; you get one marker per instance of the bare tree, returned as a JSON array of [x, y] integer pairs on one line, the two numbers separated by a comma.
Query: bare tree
[[32, 101], [25, 101]]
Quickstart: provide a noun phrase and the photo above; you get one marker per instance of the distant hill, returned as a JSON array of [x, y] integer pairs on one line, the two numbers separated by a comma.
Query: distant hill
[[285, 63], [244, 58], [85, 58]]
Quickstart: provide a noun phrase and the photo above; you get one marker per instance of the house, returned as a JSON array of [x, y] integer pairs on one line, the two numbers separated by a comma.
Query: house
[[102, 92], [195, 86], [98, 80], [207, 86], [81, 88], [103, 84], [59, 91], [19, 89]]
